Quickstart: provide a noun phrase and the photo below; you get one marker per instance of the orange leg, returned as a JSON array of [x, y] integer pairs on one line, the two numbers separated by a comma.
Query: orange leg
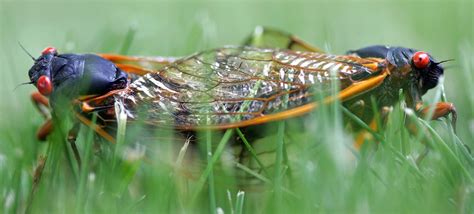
[[42, 104], [44, 130], [86, 103], [37, 174], [366, 135], [442, 109], [89, 104], [96, 128], [71, 138]]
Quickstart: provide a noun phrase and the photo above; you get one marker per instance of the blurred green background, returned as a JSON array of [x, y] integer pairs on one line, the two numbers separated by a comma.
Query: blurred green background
[[177, 28]]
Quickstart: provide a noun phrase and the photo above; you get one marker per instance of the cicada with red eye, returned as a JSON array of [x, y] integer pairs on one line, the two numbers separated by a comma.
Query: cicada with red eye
[[233, 87]]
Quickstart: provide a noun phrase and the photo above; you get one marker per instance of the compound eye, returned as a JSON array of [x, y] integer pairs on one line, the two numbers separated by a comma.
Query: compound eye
[[44, 85], [421, 59], [49, 50]]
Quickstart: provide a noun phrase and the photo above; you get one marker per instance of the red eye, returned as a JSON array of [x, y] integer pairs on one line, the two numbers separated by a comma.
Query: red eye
[[49, 50], [44, 85], [421, 59]]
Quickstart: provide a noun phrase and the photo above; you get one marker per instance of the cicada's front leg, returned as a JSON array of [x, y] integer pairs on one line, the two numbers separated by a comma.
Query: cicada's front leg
[[441, 109], [42, 104]]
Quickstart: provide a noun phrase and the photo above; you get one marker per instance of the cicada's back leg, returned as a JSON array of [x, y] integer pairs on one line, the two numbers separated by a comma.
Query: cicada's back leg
[[375, 126], [264, 37], [104, 106]]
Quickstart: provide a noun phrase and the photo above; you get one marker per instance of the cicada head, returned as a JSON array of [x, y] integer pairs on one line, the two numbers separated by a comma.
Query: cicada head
[[418, 66], [40, 72], [71, 75]]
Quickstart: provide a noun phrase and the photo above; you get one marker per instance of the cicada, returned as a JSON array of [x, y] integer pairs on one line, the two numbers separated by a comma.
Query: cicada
[[234, 86]]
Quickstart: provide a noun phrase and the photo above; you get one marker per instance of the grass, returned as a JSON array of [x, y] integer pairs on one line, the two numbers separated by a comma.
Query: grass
[[311, 166]]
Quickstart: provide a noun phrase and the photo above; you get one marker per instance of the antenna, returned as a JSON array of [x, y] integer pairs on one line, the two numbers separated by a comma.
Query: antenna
[[448, 60], [25, 83], [26, 51]]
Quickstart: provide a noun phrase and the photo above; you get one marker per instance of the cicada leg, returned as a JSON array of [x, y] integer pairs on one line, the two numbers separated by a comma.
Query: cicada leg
[[87, 102], [90, 104], [37, 174], [44, 130], [42, 104], [71, 138], [365, 135], [99, 130], [442, 109]]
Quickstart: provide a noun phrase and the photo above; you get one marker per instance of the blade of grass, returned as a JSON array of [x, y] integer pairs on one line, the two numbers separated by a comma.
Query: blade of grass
[[202, 179], [127, 42], [231, 204], [239, 204], [447, 150], [121, 116], [263, 178], [210, 179], [361, 123], [251, 150], [278, 177], [84, 172], [253, 173]]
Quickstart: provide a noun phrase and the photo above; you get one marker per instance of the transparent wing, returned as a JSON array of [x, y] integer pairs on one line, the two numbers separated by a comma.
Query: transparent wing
[[223, 87], [139, 65]]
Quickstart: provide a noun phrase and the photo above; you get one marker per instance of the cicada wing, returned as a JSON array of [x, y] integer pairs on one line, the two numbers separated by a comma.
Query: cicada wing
[[242, 86], [264, 37], [139, 65]]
